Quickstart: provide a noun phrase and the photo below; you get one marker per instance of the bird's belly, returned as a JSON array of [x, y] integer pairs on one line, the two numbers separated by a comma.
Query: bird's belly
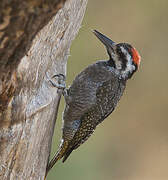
[[107, 99]]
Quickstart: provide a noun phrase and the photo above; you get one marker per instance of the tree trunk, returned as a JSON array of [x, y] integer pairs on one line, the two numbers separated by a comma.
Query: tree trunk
[[29, 50]]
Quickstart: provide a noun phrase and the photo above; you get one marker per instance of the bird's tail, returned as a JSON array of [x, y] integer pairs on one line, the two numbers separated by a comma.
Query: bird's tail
[[60, 153]]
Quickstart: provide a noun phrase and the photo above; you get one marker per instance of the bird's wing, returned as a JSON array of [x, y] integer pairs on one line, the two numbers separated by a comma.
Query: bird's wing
[[97, 112], [106, 95], [84, 91], [85, 86]]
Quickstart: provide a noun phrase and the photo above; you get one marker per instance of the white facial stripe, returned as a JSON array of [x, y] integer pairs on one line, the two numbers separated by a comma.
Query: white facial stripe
[[129, 66], [117, 62]]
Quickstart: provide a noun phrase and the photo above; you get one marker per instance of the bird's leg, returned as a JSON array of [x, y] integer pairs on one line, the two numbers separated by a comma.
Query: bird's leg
[[61, 85]]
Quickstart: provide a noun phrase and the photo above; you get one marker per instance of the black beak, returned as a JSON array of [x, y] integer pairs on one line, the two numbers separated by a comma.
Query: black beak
[[106, 41]]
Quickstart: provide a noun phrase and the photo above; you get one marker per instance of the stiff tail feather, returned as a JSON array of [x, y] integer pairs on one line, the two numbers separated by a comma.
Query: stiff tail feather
[[60, 153]]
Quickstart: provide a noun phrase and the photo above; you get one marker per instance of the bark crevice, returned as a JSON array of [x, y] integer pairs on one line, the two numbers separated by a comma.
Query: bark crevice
[[28, 103]]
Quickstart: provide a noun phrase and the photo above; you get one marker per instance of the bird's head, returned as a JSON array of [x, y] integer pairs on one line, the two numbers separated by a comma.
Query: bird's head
[[123, 57]]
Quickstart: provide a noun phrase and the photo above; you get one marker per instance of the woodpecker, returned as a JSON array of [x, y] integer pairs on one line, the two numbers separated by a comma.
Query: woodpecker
[[94, 94]]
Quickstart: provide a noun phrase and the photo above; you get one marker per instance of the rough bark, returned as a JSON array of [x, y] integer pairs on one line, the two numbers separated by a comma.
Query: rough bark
[[28, 103]]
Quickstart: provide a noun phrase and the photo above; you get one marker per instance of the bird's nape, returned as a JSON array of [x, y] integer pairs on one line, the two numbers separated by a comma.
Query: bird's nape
[[136, 57]]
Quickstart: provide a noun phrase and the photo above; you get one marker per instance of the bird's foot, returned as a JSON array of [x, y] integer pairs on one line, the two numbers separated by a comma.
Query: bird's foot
[[58, 81]]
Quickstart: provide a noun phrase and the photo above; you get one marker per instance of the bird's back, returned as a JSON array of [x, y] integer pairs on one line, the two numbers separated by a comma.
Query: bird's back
[[94, 94]]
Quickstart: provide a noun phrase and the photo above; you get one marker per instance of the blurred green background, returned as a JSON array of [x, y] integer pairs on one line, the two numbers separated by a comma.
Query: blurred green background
[[131, 144]]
